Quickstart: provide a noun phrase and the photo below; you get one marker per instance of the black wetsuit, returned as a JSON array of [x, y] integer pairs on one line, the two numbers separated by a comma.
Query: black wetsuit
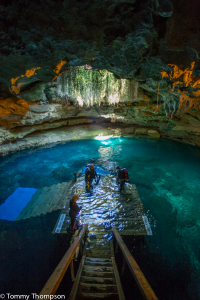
[[122, 177], [90, 175]]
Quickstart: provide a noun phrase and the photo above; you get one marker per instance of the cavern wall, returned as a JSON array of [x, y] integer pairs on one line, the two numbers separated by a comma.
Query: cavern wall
[[83, 103]]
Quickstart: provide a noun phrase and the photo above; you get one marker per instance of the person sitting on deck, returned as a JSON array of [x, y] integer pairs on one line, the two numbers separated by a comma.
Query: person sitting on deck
[[122, 177], [74, 209], [90, 174]]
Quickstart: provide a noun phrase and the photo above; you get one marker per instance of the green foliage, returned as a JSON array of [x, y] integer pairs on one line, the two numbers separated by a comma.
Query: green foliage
[[94, 86]]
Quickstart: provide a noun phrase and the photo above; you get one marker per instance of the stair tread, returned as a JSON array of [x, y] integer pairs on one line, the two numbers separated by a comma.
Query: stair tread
[[96, 263], [91, 273], [90, 251], [87, 284], [98, 268], [98, 259], [99, 245], [87, 279], [99, 256], [105, 296], [97, 287]]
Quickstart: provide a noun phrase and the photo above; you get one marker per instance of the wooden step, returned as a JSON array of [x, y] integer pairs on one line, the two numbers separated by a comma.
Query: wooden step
[[98, 242], [102, 280], [98, 255], [98, 263], [98, 236], [100, 247], [92, 273], [98, 268], [93, 296], [94, 259], [98, 250], [97, 288], [132, 232]]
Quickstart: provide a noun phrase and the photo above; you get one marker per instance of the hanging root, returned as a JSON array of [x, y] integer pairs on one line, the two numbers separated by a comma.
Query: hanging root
[[175, 109]]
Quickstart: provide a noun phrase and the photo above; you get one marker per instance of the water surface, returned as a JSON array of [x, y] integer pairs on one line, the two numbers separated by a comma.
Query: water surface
[[167, 178]]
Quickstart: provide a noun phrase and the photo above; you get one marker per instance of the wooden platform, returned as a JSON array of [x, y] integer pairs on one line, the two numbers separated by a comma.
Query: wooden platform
[[105, 207], [47, 199]]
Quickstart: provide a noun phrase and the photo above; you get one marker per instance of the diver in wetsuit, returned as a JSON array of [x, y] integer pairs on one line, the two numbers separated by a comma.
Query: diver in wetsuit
[[90, 174], [74, 209], [122, 177]]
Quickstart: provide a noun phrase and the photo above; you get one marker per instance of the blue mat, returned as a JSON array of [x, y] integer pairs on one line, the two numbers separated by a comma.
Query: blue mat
[[14, 204]]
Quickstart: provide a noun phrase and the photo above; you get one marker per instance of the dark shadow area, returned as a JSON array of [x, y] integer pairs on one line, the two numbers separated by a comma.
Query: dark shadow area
[[29, 253]]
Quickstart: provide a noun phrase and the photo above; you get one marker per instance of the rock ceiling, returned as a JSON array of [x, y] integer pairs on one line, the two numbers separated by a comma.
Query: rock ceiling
[[133, 39], [155, 43]]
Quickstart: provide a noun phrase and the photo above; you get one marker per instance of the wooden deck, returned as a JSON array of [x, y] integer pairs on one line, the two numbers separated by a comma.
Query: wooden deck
[[47, 199], [104, 208]]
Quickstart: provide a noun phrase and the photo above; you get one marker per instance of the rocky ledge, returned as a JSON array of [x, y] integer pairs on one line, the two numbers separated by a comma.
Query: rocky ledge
[[45, 124]]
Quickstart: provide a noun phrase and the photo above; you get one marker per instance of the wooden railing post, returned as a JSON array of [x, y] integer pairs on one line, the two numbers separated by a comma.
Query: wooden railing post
[[53, 282], [72, 269], [144, 286]]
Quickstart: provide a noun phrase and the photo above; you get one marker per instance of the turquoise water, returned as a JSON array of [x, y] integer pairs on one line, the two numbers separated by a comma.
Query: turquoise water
[[168, 181]]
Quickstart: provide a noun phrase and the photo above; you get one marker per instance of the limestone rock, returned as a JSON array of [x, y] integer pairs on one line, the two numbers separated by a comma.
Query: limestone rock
[[163, 8], [13, 106], [78, 121], [129, 130], [141, 131], [72, 133], [187, 128], [123, 37], [153, 133], [111, 66]]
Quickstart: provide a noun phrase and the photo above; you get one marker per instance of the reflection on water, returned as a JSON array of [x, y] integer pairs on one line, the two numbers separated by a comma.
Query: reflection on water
[[167, 177], [110, 151], [104, 207]]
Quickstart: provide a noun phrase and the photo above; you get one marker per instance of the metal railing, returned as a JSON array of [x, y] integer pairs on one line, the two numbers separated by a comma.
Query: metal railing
[[144, 286], [55, 279]]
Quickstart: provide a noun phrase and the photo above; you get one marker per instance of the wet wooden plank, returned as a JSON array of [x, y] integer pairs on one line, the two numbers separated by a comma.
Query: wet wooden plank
[[128, 209], [98, 288], [101, 280], [47, 200], [105, 296], [90, 273]]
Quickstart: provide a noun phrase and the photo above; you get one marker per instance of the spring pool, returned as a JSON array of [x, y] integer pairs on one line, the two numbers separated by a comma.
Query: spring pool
[[167, 177]]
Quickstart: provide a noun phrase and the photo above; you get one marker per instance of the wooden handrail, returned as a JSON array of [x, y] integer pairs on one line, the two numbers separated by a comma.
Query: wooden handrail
[[142, 283], [52, 284]]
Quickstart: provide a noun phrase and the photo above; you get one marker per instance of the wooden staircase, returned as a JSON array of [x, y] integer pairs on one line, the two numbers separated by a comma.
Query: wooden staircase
[[47, 199], [97, 277]]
